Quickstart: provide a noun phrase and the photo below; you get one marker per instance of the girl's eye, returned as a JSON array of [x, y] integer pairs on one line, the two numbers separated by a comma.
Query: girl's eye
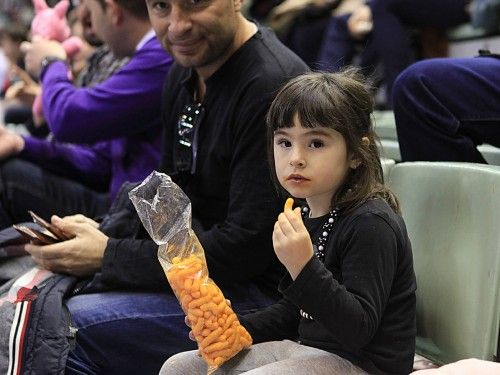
[[316, 144], [284, 143]]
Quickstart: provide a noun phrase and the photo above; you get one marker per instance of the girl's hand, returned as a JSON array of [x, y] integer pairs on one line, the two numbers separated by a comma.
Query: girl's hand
[[291, 241]]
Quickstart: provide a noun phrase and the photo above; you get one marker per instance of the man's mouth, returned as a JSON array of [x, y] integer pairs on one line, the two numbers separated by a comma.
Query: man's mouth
[[185, 45]]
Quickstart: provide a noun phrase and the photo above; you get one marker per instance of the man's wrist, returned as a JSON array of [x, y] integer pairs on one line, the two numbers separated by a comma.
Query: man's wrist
[[47, 61], [20, 144]]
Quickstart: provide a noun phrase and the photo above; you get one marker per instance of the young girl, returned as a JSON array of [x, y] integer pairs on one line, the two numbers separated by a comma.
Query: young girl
[[348, 302]]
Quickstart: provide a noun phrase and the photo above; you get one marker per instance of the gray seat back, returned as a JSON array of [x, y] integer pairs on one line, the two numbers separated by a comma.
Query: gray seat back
[[452, 212]]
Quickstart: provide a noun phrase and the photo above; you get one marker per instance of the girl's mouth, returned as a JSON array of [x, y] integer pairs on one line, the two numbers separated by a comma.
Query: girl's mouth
[[297, 178]]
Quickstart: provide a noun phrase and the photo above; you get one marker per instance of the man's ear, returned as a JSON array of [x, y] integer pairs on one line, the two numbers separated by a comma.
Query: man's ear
[[238, 4], [115, 11]]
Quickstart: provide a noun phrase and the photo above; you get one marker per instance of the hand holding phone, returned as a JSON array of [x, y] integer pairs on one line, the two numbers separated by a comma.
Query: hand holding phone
[[36, 236], [55, 231], [46, 235]]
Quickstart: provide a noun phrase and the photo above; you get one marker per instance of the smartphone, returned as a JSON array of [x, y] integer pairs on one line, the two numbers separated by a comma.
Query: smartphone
[[55, 231], [36, 236]]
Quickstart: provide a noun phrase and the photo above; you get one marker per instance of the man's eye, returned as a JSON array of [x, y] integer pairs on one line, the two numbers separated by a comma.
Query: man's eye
[[196, 3], [158, 6], [316, 144]]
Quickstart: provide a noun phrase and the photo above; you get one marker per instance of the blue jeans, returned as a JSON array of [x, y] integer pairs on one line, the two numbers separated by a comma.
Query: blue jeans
[[445, 107], [25, 186], [135, 333]]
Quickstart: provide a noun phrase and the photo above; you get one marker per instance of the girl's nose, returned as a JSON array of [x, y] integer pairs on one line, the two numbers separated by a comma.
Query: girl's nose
[[297, 160]]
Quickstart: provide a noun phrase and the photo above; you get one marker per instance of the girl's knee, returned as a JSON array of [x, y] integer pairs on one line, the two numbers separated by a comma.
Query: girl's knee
[[184, 363]]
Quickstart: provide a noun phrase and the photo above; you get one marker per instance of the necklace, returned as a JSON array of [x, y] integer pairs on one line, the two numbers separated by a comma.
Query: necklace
[[320, 244]]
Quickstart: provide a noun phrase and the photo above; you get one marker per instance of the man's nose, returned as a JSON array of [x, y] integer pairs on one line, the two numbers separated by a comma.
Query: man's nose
[[180, 22]]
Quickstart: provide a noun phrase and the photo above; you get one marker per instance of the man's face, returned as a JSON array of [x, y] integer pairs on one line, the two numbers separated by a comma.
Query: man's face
[[84, 17], [197, 33], [100, 23]]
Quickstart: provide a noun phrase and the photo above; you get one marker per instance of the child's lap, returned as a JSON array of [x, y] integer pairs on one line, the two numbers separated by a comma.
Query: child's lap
[[275, 357]]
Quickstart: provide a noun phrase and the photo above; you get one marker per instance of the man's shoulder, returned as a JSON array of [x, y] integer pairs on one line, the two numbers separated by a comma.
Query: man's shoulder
[[152, 53], [263, 64], [273, 55]]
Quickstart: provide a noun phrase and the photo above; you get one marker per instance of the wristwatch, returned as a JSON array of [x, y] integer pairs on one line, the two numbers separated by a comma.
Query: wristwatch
[[47, 60]]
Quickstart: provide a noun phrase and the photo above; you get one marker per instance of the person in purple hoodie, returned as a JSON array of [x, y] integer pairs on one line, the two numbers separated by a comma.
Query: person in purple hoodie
[[102, 136]]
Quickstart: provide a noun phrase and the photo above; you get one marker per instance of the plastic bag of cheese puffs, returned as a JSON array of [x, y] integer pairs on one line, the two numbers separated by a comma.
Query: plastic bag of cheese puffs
[[165, 212]]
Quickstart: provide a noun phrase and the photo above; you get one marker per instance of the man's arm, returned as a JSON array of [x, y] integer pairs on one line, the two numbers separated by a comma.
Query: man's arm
[[74, 161], [122, 262], [133, 263], [115, 107]]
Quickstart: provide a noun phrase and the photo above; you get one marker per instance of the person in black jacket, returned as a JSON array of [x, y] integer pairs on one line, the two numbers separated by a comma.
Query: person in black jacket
[[348, 303], [227, 71]]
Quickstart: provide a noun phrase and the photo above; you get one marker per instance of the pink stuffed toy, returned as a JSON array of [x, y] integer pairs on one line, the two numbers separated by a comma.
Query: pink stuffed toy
[[50, 23]]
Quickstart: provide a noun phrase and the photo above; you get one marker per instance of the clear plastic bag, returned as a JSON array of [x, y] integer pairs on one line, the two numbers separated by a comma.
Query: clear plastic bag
[[165, 212]]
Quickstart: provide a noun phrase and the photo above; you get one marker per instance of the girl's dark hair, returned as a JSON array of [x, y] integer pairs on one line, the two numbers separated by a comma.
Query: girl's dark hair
[[341, 101]]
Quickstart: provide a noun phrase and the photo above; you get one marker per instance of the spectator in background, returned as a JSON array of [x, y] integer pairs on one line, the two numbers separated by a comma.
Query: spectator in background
[[118, 122], [392, 22], [382, 32], [4, 68], [11, 37], [75, 22], [16, 11], [346, 37], [444, 108], [485, 14]]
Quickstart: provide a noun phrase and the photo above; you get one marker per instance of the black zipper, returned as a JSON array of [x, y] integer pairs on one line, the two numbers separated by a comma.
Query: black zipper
[[71, 331]]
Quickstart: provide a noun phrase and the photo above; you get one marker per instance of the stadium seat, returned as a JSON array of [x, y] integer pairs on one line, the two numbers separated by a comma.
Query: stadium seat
[[452, 212], [387, 165], [385, 127]]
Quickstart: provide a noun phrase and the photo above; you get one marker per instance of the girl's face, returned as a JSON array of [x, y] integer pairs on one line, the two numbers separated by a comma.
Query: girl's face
[[311, 163]]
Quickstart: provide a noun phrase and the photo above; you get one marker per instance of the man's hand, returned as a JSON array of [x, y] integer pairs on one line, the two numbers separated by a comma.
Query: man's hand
[[81, 219], [80, 256], [24, 90], [291, 241], [10, 143], [37, 50]]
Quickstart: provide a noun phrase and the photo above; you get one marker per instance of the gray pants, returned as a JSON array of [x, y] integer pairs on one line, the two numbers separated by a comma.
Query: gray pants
[[269, 358]]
